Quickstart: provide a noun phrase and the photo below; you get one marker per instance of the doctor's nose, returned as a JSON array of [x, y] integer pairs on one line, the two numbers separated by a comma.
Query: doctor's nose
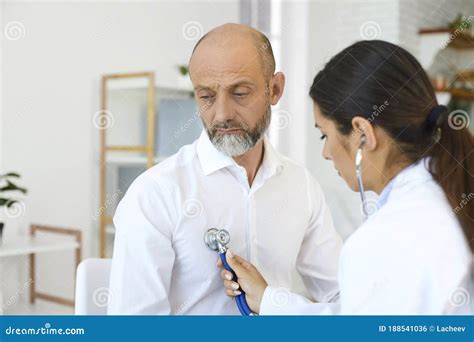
[[325, 153]]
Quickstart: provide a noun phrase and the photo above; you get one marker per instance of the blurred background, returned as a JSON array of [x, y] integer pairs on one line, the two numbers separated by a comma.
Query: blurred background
[[93, 93]]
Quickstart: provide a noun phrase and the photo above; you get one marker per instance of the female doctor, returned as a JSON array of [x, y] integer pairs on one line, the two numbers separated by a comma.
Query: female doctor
[[385, 132]]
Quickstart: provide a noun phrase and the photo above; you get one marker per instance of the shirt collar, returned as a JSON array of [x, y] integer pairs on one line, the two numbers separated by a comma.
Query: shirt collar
[[212, 160]]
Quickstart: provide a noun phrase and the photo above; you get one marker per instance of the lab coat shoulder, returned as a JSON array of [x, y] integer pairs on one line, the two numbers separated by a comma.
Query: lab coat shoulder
[[410, 257], [407, 258]]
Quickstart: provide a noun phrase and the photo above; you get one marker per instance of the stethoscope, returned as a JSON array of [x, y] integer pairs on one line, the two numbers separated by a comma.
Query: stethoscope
[[358, 166], [217, 240]]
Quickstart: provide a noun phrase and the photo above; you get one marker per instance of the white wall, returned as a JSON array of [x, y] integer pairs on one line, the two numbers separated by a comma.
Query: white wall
[[50, 83], [315, 31]]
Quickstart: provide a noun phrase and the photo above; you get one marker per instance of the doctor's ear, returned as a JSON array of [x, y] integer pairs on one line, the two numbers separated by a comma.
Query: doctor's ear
[[363, 134]]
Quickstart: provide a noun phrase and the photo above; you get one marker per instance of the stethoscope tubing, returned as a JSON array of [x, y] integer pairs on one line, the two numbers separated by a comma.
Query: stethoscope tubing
[[240, 299]]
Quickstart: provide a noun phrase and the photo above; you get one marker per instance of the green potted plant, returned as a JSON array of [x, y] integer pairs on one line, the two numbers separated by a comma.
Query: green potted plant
[[184, 81], [7, 186], [460, 23]]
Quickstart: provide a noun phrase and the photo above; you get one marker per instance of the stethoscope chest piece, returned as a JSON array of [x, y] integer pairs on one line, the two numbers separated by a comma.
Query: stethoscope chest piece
[[217, 239]]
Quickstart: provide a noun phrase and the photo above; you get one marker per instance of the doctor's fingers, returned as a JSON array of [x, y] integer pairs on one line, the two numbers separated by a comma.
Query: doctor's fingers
[[240, 266], [232, 293], [231, 285], [245, 264], [226, 275]]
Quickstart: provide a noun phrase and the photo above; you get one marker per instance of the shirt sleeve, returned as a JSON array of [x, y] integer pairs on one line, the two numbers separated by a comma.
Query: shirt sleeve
[[280, 301], [143, 256], [318, 258]]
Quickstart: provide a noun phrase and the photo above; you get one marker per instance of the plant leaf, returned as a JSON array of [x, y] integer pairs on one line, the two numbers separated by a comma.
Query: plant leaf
[[10, 174], [7, 202], [12, 187]]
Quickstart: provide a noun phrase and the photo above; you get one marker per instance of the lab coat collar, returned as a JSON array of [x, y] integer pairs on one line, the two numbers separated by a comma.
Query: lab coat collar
[[212, 160], [410, 176]]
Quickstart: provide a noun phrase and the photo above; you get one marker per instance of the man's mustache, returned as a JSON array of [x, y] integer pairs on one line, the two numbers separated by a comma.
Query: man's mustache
[[229, 124]]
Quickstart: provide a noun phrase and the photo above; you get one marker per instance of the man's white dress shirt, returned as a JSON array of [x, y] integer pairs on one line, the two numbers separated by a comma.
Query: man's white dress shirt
[[280, 224]]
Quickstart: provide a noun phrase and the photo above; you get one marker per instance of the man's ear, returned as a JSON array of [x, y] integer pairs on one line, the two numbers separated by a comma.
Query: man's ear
[[277, 85], [362, 127]]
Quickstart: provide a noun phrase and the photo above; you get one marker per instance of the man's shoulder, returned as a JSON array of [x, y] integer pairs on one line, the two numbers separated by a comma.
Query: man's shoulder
[[296, 170], [182, 159], [171, 168]]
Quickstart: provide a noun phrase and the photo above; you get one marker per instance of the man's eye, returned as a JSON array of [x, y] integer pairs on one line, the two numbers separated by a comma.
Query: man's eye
[[324, 136], [205, 97], [240, 94]]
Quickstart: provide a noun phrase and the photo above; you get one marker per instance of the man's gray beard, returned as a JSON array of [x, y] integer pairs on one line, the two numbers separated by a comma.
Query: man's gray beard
[[238, 144]]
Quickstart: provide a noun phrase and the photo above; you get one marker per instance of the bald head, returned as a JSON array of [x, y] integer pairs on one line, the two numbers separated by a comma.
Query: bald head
[[232, 35]]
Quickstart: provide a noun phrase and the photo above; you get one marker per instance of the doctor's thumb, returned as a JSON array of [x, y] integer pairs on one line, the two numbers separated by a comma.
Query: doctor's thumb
[[232, 261], [237, 264]]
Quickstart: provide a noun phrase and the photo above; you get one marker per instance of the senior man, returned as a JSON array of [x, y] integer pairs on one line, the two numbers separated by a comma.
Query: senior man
[[232, 178]]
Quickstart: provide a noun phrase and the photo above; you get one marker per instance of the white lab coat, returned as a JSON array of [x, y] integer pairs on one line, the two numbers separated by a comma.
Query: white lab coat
[[410, 257]]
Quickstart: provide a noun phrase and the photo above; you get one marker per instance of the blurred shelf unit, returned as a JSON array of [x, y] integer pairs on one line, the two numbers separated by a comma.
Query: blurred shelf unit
[[435, 40], [145, 122], [456, 39]]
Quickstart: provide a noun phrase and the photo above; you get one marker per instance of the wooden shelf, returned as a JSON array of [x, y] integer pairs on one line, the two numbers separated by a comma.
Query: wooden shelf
[[458, 39], [460, 93], [126, 84], [435, 30], [131, 159]]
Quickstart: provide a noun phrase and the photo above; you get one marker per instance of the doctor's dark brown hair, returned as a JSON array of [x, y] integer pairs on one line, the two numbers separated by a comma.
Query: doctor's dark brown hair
[[385, 84]]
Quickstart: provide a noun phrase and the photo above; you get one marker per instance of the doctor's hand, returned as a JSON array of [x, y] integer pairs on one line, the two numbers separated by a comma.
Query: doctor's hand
[[249, 280]]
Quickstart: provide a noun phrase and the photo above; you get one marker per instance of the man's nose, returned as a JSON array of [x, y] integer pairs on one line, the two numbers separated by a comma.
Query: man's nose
[[223, 108]]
